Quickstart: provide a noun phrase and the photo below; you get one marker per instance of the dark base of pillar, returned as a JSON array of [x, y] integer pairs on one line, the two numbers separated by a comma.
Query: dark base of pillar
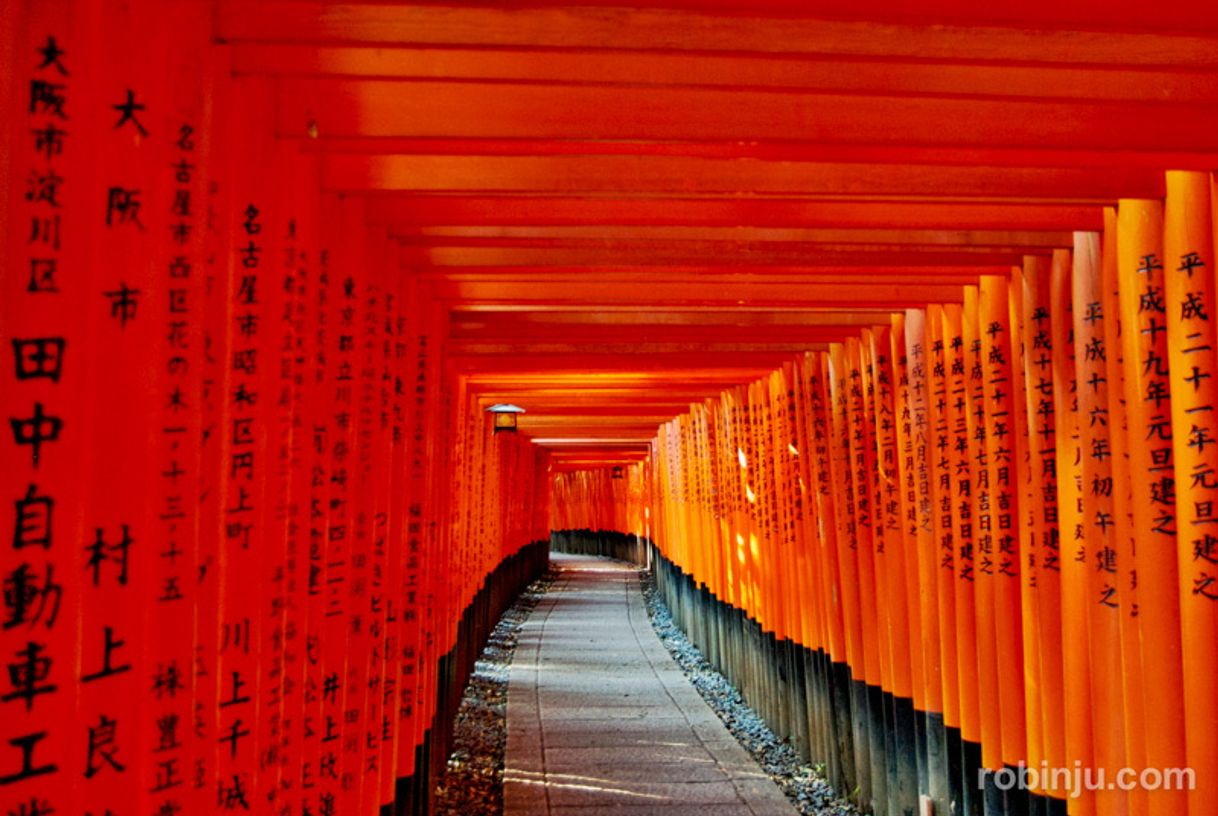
[[903, 800]]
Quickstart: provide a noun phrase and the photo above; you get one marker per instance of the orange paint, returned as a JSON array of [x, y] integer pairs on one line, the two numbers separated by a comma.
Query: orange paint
[[847, 520], [939, 454], [1075, 579], [1147, 401], [1189, 293], [920, 509], [908, 541], [1042, 550], [862, 469], [889, 550], [1098, 551]]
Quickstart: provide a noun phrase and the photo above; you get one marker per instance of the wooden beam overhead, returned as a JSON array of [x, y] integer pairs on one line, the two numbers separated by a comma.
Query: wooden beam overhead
[[403, 212], [657, 316], [574, 235], [1041, 34], [386, 108], [880, 75], [740, 181], [600, 336], [842, 296], [787, 150], [628, 209]]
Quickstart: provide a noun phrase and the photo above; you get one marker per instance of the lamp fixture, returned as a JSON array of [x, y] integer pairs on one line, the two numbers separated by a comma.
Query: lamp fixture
[[504, 416]]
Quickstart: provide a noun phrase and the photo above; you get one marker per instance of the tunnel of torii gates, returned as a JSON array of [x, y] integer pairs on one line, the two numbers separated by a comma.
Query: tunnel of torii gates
[[885, 332]]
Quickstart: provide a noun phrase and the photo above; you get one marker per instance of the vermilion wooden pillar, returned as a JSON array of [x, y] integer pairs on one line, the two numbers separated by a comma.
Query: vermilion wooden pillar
[[221, 421], [44, 309], [1189, 292], [1148, 398]]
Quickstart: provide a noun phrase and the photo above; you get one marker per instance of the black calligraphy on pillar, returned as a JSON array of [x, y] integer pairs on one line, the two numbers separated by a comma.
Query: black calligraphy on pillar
[[28, 674], [108, 665], [31, 596], [31, 575], [123, 207], [1198, 511], [38, 357], [100, 552], [124, 301], [103, 748], [27, 766], [36, 430], [1039, 366], [244, 364], [33, 519], [129, 110]]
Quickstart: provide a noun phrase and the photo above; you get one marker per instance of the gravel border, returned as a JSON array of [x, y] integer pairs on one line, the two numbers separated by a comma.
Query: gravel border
[[472, 784], [807, 789]]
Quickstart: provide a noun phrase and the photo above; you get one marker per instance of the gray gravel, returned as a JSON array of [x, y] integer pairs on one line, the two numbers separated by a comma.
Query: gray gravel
[[472, 784], [804, 787]]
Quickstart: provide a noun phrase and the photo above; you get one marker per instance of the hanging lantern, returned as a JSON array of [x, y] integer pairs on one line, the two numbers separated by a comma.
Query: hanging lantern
[[504, 415], [617, 471]]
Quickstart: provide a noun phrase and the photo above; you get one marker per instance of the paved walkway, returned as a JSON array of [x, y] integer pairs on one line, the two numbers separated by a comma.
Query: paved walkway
[[602, 721]]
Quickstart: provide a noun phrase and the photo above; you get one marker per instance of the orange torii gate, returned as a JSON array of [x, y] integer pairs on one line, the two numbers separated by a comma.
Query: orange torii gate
[[1068, 535]]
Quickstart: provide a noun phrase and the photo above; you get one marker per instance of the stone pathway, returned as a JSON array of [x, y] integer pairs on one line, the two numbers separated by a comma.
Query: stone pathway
[[602, 721]]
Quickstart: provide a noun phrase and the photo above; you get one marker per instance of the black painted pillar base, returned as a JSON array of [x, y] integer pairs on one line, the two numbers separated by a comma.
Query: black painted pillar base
[[905, 736], [876, 749], [878, 734], [937, 764]]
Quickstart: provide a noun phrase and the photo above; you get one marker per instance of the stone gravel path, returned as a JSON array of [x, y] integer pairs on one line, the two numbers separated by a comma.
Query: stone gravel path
[[602, 721]]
